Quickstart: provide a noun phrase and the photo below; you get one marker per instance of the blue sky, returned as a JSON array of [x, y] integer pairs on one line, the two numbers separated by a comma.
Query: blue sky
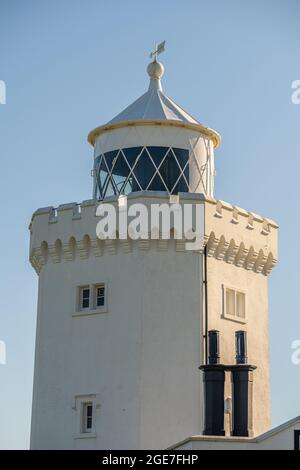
[[71, 65]]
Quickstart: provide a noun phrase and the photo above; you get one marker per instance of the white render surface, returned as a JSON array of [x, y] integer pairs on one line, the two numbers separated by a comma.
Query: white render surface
[[139, 359]]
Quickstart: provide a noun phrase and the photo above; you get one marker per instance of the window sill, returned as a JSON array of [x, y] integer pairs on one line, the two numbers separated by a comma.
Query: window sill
[[85, 313], [85, 435], [235, 319]]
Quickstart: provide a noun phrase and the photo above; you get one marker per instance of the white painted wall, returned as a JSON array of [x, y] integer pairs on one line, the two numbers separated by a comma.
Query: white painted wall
[[140, 358]]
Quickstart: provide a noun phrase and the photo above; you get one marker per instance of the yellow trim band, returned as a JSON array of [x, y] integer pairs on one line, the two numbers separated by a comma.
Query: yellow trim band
[[210, 133]]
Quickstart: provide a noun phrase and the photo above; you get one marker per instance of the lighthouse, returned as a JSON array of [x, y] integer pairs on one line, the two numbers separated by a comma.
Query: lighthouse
[[124, 324]]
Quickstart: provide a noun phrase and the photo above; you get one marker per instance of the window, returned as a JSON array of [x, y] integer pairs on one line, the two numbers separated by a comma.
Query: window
[[151, 168], [235, 305], [87, 417], [91, 299], [230, 301], [240, 304], [85, 298], [100, 296]]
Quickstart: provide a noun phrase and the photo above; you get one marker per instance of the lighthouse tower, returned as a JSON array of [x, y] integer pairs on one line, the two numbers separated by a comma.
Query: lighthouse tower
[[123, 325]]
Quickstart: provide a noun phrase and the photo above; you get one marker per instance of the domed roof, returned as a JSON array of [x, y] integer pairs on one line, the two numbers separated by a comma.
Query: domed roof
[[154, 104], [154, 107]]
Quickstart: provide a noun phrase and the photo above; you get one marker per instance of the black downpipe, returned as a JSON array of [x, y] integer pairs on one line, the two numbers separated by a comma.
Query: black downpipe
[[205, 306]]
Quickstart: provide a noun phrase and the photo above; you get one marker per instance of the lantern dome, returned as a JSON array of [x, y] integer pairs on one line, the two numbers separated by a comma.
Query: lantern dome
[[153, 145]]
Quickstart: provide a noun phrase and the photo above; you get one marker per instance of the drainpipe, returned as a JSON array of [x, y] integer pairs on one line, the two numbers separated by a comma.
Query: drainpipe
[[205, 335]]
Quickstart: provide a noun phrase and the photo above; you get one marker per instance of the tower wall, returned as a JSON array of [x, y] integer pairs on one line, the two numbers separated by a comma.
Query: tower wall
[[242, 250], [139, 358]]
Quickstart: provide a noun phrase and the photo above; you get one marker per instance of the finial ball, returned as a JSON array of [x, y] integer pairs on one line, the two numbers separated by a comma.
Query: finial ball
[[155, 70]]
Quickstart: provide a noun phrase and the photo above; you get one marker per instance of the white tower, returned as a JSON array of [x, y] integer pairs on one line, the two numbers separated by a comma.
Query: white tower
[[120, 322]]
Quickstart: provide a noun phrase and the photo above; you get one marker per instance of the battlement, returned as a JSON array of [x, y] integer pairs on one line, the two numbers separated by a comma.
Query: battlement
[[232, 234], [240, 237]]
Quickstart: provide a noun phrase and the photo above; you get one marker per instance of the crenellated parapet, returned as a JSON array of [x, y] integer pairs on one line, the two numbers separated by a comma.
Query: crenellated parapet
[[232, 235], [240, 237]]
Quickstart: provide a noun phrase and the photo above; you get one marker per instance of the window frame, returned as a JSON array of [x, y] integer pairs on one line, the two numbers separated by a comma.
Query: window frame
[[227, 315], [93, 308], [81, 297], [96, 287], [85, 429], [157, 157], [81, 402]]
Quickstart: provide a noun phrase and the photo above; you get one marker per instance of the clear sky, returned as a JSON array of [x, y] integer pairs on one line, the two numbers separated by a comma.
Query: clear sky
[[70, 65]]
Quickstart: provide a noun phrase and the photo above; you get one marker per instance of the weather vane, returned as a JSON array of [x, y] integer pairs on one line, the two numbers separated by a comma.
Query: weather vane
[[158, 50]]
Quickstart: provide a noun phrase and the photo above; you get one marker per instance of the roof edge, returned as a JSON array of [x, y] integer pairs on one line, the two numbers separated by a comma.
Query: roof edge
[[210, 133], [254, 439]]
